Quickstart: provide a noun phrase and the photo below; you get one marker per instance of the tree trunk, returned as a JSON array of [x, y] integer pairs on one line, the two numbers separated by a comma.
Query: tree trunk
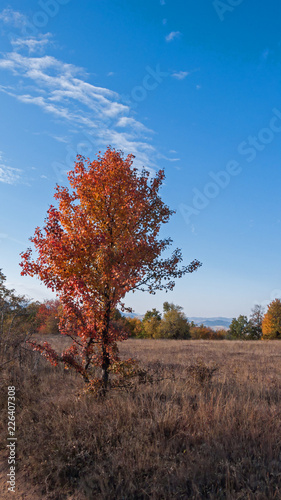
[[105, 353], [105, 367]]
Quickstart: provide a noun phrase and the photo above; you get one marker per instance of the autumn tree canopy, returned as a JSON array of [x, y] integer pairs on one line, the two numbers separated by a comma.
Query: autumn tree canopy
[[99, 243], [174, 324], [48, 317], [151, 323], [271, 325]]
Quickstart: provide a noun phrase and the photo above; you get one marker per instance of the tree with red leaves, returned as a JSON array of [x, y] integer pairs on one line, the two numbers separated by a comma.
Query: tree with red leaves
[[47, 317], [100, 243]]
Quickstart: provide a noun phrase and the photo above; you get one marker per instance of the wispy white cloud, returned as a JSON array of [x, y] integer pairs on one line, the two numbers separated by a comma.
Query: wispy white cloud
[[180, 75], [60, 87], [61, 90], [13, 18], [34, 67], [58, 138], [6, 64], [174, 34], [162, 2], [124, 141], [167, 158], [32, 44], [5, 236], [8, 175], [126, 121]]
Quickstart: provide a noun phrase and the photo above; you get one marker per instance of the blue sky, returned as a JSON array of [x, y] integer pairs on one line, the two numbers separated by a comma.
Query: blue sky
[[193, 87]]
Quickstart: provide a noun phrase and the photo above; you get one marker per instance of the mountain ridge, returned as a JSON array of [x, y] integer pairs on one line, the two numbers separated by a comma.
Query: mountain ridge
[[215, 322]]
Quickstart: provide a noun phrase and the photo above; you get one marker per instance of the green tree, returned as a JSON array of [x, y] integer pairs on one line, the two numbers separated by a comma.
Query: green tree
[[255, 322], [151, 322], [152, 314], [174, 324], [16, 321], [239, 328], [169, 306]]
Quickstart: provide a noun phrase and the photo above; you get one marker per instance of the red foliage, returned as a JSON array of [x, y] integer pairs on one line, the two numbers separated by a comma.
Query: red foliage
[[47, 317], [100, 243]]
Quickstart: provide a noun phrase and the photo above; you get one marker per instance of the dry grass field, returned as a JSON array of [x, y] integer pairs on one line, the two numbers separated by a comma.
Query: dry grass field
[[206, 425]]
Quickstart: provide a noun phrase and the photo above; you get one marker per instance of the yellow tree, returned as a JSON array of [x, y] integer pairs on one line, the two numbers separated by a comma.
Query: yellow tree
[[135, 327], [271, 325]]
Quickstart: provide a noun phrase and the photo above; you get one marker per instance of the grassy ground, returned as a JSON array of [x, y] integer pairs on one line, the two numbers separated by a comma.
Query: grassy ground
[[208, 427]]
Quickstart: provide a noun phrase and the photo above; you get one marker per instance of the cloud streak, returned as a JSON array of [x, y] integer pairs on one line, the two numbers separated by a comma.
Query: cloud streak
[[8, 175], [13, 18], [62, 90], [173, 35], [180, 75], [32, 44]]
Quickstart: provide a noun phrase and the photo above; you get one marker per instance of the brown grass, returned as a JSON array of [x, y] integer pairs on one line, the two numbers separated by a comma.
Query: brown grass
[[209, 427]]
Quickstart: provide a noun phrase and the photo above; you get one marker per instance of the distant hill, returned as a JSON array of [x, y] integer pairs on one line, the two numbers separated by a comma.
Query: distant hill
[[216, 323], [133, 315]]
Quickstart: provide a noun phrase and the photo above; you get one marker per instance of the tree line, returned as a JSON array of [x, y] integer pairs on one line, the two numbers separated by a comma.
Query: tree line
[[260, 325], [173, 324], [43, 318]]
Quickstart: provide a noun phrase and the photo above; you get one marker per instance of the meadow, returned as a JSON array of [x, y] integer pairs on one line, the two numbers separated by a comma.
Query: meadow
[[204, 423]]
